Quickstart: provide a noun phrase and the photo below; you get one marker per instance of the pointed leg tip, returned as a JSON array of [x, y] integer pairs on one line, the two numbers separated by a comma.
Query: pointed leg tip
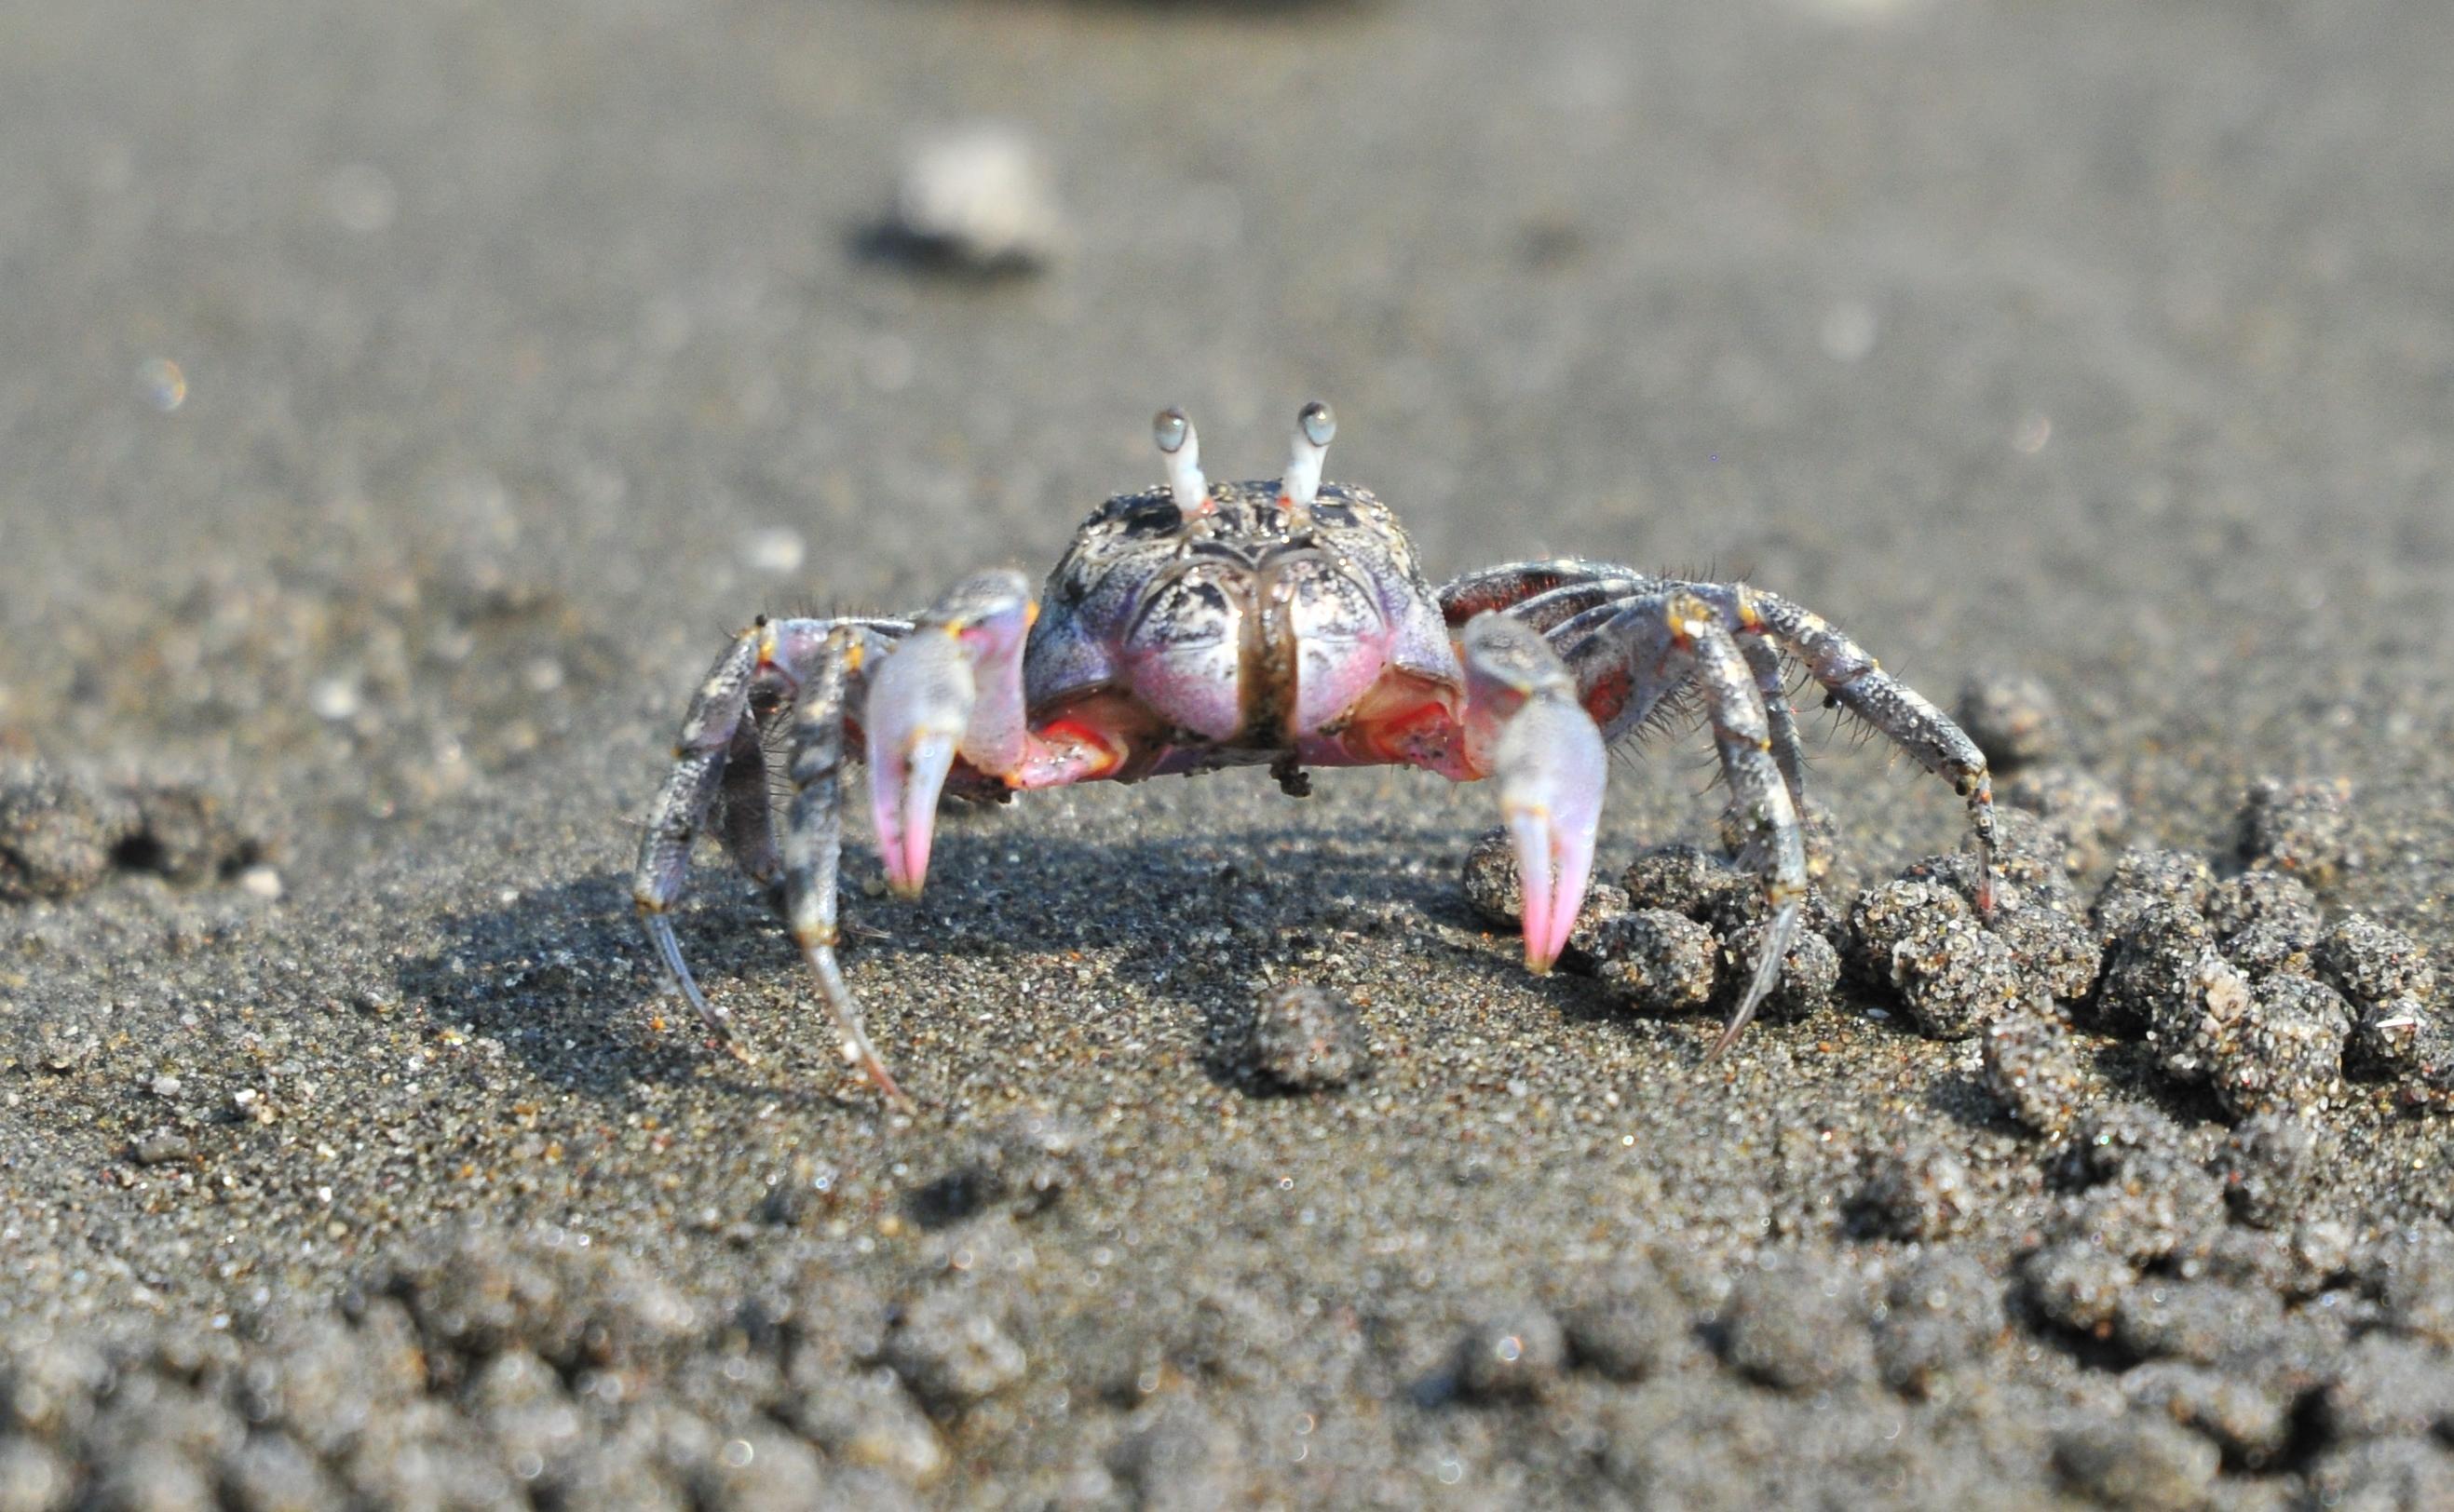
[[895, 1095]]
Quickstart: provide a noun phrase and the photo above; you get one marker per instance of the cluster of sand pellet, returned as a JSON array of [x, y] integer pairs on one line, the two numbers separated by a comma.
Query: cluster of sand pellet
[[63, 832], [480, 1370], [2239, 982]]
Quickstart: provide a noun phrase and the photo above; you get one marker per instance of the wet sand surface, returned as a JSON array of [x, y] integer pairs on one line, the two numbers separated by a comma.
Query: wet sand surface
[[399, 405]]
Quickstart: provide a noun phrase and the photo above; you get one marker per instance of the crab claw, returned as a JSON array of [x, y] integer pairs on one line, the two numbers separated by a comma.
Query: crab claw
[[951, 688], [1524, 727]]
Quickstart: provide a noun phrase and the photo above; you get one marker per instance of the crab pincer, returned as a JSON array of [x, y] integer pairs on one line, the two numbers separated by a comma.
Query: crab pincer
[[953, 688], [1525, 726]]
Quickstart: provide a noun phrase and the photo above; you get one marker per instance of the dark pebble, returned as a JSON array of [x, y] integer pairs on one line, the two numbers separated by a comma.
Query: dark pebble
[[2135, 1189], [57, 832], [1184, 1460], [2286, 1055], [1583, 954], [2157, 965], [2012, 717], [2265, 896], [475, 1292], [2372, 965], [1306, 1038], [2125, 1141], [2143, 879], [2394, 1041], [1516, 1353], [1491, 885], [185, 835], [2026, 853], [2137, 1462], [1684, 880], [1658, 962], [2303, 828], [1634, 1328], [1956, 980], [1917, 1191], [2387, 1387], [2196, 1022], [2031, 1065], [2084, 812], [2248, 1421], [2049, 941], [2384, 1475], [2199, 1320], [1884, 916], [1941, 1313], [2076, 1285], [1809, 972], [1791, 1325], [2270, 948], [1497, 893], [2269, 1166], [951, 1352]]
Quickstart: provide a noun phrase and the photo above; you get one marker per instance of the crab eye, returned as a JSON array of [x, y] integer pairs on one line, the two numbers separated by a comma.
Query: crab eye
[[1315, 425], [1181, 447]]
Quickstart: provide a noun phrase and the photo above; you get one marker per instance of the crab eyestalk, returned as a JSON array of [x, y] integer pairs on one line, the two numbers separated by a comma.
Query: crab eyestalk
[[1524, 727], [1314, 428], [1179, 447], [951, 688]]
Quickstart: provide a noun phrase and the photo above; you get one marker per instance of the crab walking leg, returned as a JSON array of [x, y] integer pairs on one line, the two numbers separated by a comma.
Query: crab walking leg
[[1524, 727], [1772, 685], [721, 757], [1510, 584], [1548, 611], [744, 818], [709, 731], [1851, 679], [1759, 792], [813, 845], [953, 688]]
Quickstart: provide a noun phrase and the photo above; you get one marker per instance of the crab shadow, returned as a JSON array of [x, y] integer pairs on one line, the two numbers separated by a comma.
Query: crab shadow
[[561, 978]]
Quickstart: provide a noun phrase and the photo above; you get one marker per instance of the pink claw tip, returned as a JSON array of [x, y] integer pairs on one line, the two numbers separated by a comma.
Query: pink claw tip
[[904, 801], [1552, 861], [907, 862]]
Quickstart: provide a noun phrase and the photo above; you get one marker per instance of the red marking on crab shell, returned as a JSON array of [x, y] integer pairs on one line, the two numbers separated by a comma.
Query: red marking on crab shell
[[1605, 696]]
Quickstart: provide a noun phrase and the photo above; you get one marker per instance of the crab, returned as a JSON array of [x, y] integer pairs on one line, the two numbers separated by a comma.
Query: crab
[[1283, 622]]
